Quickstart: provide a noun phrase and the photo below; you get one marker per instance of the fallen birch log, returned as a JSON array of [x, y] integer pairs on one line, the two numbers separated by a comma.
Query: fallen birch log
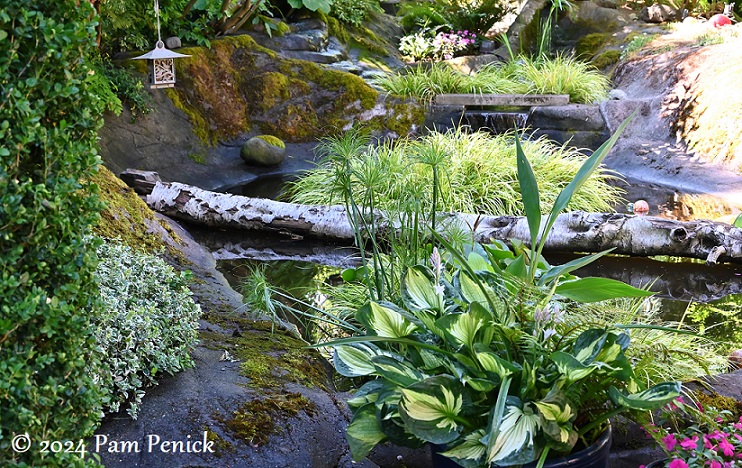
[[573, 232]]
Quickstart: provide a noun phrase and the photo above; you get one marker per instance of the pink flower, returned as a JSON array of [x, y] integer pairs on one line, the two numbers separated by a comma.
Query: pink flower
[[690, 444], [677, 464], [715, 464], [707, 442], [726, 447], [670, 442]]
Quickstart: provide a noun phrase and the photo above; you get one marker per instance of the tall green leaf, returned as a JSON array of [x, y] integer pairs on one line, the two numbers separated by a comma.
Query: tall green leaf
[[529, 192], [588, 167], [598, 289], [567, 268]]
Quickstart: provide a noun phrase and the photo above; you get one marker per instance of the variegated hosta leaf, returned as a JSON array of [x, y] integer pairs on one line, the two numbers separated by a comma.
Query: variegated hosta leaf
[[384, 321], [494, 363], [614, 346], [433, 360], [419, 290], [368, 393], [477, 262], [354, 360], [462, 329], [516, 436], [570, 367], [470, 452], [589, 344], [430, 409], [471, 290], [396, 372], [364, 432], [556, 421], [652, 398]]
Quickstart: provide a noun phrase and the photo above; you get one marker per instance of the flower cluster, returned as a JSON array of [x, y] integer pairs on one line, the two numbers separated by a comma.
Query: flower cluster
[[713, 441], [446, 45], [443, 46]]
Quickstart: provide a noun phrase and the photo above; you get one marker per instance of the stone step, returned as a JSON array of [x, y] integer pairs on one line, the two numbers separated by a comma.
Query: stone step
[[521, 100]]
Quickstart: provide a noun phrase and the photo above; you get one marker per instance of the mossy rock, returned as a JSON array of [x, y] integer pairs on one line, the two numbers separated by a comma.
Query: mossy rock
[[263, 150], [239, 86], [606, 58], [589, 45]]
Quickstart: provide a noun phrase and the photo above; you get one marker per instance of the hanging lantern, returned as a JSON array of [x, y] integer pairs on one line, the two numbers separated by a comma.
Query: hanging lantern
[[161, 60]]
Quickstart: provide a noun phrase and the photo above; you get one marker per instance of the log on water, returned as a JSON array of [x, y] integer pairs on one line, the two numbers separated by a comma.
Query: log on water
[[572, 232]]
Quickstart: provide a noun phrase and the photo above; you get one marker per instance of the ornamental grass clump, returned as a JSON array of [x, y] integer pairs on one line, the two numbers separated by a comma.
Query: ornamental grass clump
[[522, 75], [476, 174]]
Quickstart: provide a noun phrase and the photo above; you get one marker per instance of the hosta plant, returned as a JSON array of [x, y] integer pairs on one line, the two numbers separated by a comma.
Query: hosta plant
[[483, 360]]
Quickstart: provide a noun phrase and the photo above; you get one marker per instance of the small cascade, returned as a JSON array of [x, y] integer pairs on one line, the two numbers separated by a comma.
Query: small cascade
[[495, 121]]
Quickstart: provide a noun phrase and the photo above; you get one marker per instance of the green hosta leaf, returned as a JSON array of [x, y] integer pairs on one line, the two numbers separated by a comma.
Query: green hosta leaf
[[384, 321], [589, 344], [571, 368], [516, 441], [737, 221], [598, 289], [518, 266], [649, 399], [354, 360], [430, 409], [477, 262], [364, 432], [432, 360], [470, 451], [528, 191], [419, 290], [368, 393], [395, 371]]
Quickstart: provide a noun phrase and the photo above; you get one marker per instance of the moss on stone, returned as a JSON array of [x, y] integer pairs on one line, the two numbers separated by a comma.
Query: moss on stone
[[589, 45], [720, 402], [271, 140], [256, 420], [275, 87], [606, 59], [126, 216], [220, 445]]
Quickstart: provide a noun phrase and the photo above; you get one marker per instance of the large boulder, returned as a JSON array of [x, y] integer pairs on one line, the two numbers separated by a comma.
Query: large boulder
[[263, 150], [657, 13]]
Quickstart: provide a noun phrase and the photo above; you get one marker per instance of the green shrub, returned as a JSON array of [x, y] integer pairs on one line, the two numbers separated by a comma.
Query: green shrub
[[473, 16], [48, 150], [354, 12], [146, 323]]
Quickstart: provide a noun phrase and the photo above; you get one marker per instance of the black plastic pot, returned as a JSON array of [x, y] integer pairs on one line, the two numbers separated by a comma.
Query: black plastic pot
[[594, 456], [658, 463]]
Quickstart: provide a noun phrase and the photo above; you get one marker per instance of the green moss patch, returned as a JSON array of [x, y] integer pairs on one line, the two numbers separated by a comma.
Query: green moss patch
[[589, 45], [256, 420], [126, 216], [606, 59], [271, 140]]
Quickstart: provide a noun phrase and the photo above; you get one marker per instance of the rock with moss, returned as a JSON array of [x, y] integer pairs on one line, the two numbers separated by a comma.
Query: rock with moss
[[263, 150]]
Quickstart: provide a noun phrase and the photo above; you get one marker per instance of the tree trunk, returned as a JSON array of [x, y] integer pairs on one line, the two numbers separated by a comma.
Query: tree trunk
[[572, 232]]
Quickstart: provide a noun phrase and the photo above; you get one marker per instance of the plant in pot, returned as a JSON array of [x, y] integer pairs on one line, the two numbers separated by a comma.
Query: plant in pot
[[483, 357]]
